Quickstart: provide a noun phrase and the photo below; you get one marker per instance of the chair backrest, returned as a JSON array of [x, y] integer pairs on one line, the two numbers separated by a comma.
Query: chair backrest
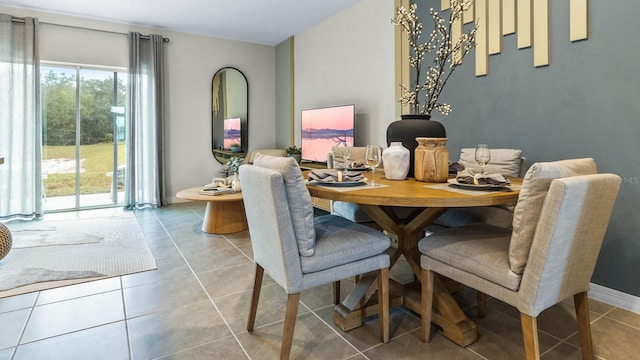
[[270, 224], [298, 199], [250, 157], [508, 162], [568, 238], [358, 155], [532, 194]]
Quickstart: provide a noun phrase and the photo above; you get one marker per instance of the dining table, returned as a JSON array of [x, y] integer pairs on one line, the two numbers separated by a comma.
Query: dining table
[[424, 202]]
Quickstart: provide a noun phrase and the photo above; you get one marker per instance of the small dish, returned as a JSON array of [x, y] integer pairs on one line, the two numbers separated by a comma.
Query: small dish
[[455, 182], [338, 184]]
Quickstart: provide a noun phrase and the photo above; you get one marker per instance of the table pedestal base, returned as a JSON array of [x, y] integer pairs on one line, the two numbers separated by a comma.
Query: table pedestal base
[[460, 330], [224, 217]]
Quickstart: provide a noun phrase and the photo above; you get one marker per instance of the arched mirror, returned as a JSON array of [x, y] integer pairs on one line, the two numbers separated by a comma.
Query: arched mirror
[[229, 114]]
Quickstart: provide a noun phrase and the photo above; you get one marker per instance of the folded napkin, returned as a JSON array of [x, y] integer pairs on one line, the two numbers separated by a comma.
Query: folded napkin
[[331, 175], [356, 165], [468, 176]]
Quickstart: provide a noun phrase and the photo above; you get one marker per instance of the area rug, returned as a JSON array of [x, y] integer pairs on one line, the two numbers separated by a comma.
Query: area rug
[[52, 253]]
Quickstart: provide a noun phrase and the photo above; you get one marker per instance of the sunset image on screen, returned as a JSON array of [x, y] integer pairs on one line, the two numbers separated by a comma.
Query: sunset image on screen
[[231, 132], [324, 128]]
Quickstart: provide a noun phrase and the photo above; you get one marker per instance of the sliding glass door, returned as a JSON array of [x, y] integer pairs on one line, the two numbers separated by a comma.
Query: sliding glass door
[[83, 136]]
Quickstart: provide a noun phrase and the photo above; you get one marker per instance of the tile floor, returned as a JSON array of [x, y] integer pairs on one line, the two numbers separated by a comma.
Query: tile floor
[[194, 306]]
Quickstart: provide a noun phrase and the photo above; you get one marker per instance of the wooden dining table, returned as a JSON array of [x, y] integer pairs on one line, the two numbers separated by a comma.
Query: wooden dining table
[[427, 202]]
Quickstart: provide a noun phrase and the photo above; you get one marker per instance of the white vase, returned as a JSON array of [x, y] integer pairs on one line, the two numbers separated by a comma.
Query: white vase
[[235, 183], [396, 160]]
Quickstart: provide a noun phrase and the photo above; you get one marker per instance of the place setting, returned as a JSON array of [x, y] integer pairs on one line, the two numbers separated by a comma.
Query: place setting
[[349, 178], [473, 181]]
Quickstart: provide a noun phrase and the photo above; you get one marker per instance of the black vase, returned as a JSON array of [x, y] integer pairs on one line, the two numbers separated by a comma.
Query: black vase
[[411, 127]]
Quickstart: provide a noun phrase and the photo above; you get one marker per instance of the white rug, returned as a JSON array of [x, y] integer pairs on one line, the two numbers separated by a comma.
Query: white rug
[[52, 253]]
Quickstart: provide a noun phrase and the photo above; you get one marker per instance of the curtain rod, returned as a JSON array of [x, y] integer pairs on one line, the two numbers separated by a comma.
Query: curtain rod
[[147, 37]]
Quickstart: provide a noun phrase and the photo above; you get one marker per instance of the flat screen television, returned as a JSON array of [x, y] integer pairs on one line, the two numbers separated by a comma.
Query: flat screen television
[[324, 128], [231, 132]]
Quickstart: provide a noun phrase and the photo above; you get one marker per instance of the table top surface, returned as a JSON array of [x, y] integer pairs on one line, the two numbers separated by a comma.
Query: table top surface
[[193, 194], [412, 193]]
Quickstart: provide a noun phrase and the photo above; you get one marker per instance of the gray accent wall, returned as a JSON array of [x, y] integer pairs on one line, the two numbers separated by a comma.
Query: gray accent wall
[[586, 103]]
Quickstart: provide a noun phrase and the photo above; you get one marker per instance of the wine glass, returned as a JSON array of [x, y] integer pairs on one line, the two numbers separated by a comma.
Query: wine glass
[[373, 157], [483, 155], [344, 150]]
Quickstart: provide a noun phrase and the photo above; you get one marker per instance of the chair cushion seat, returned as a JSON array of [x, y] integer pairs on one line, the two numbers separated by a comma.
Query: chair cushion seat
[[340, 241], [479, 249]]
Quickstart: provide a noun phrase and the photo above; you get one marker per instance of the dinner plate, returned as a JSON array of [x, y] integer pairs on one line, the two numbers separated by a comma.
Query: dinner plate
[[361, 168], [477, 186], [338, 184]]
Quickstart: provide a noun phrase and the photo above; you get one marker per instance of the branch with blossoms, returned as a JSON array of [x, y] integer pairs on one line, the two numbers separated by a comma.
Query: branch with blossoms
[[444, 62]]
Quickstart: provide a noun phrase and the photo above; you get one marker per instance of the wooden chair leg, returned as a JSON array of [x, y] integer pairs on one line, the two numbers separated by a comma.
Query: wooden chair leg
[[426, 306], [383, 304], [481, 304], [253, 308], [336, 292], [289, 325], [530, 336], [581, 302]]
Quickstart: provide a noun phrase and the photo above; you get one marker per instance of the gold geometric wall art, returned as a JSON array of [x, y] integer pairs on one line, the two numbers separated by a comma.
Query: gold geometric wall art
[[523, 21], [495, 26], [528, 19], [540, 33], [508, 17], [578, 24], [482, 48]]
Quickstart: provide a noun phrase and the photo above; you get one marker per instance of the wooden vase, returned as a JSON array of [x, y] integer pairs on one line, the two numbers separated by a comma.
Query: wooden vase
[[431, 160]]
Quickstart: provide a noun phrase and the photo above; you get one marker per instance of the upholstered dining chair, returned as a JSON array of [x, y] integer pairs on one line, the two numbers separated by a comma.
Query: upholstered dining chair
[[508, 162], [352, 211], [550, 254], [300, 251]]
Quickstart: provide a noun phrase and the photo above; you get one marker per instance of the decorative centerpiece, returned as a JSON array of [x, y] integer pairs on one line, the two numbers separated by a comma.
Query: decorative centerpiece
[[432, 160], [295, 152], [422, 95], [231, 167]]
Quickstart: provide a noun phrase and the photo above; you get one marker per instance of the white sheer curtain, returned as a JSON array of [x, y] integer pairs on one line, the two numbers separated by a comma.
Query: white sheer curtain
[[145, 170], [20, 121]]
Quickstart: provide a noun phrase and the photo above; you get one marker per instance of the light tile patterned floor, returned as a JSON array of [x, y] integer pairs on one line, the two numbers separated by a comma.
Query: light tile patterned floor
[[195, 307]]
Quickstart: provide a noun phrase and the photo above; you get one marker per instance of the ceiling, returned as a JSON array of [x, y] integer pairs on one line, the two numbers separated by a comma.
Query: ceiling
[[266, 22]]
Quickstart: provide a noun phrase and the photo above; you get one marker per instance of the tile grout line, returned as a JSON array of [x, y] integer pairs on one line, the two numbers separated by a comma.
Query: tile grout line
[[201, 284], [336, 332], [126, 318], [24, 327]]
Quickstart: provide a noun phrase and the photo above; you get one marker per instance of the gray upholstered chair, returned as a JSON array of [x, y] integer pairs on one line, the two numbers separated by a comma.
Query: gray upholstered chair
[[508, 162], [559, 224], [300, 251], [352, 211]]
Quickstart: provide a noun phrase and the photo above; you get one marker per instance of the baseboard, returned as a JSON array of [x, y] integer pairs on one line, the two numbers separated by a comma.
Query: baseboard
[[615, 298]]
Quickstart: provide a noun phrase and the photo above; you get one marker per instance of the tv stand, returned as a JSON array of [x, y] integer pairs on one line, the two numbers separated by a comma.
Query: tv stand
[[312, 165]]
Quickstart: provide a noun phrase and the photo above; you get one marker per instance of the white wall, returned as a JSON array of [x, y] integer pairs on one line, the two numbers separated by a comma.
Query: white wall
[[191, 62], [349, 59]]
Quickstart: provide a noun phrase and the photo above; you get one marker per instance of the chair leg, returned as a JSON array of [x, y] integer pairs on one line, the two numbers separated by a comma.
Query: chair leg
[[530, 336], [481, 304], [426, 306], [257, 285], [581, 302], [383, 303], [289, 325], [336, 292]]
